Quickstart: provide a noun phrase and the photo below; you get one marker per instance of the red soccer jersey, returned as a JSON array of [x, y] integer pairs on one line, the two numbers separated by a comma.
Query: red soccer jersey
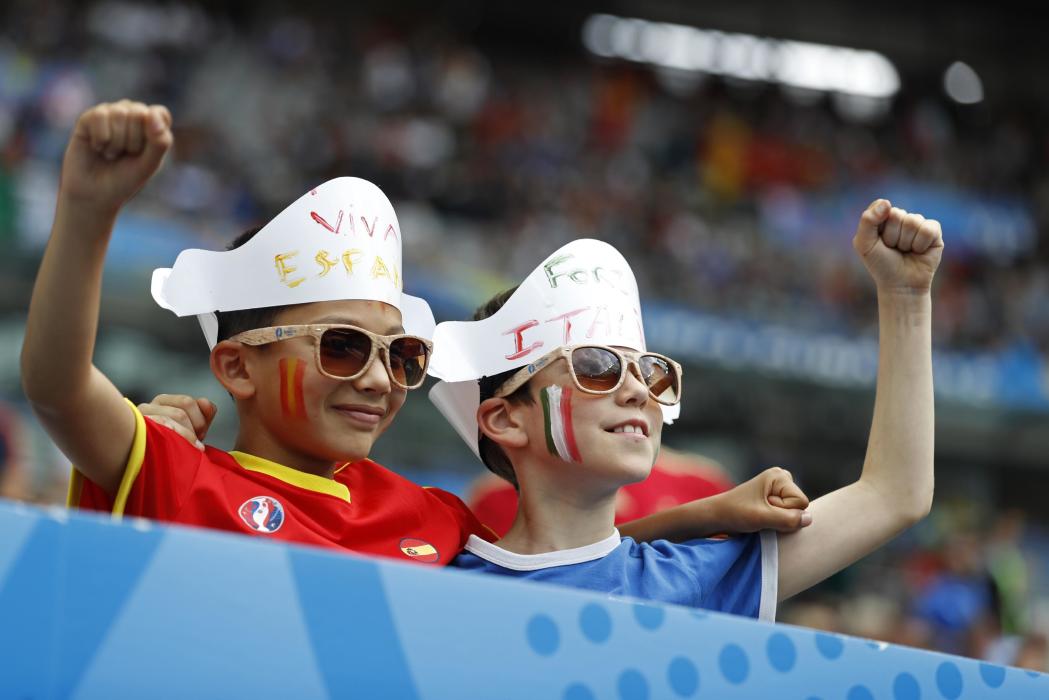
[[366, 508]]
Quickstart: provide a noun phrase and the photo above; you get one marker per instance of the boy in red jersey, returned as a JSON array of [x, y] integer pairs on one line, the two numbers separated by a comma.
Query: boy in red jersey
[[312, 349], [310, 334]]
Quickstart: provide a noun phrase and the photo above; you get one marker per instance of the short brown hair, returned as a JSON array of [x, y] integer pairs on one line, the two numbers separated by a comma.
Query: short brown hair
[[491, 454]]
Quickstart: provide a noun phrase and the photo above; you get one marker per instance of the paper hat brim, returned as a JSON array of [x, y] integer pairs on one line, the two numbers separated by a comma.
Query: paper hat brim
[[416, 314]]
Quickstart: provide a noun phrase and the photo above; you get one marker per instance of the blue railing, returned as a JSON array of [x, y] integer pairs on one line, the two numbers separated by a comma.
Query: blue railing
[[96, 609]]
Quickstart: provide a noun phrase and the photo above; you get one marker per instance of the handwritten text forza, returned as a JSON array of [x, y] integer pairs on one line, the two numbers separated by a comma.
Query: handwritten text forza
[[620, 318]]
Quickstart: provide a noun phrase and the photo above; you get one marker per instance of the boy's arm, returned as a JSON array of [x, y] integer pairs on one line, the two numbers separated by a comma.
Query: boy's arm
[[894, 491], [114, 150], [769, 501]]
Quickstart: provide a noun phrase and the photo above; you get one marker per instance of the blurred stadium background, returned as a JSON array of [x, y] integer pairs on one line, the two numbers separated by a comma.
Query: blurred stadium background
[[726, 149]]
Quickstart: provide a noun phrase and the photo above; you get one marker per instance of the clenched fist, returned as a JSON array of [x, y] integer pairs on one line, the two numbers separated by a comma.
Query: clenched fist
[[899, 249], [114, 150], [771, 500]]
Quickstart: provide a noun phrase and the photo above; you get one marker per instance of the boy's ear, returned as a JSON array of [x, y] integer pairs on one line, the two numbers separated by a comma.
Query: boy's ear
[[229, 365], [498, 420]]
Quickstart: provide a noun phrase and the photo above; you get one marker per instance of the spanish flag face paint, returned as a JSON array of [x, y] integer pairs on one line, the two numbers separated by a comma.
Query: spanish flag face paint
[[557, 417], [292, 403]]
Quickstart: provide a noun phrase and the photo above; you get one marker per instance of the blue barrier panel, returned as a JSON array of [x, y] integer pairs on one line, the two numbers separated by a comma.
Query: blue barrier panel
[[95, 609]]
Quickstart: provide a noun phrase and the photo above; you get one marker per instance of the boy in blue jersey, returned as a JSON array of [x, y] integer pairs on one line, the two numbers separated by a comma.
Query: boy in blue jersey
[[555, 391]]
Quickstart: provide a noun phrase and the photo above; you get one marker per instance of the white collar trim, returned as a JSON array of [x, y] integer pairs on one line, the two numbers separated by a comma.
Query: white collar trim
[[532, 562]]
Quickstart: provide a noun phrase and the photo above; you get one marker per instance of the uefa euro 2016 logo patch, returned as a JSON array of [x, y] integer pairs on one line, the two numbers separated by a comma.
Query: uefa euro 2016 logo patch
[[262, 514], [419, 550]]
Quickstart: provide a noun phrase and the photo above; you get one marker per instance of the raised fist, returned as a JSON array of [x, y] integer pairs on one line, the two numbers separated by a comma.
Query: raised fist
[[114, 150], [899, 249]]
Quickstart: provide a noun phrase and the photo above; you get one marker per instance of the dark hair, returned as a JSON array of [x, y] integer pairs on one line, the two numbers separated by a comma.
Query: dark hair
[[233, 322], [491, 454]]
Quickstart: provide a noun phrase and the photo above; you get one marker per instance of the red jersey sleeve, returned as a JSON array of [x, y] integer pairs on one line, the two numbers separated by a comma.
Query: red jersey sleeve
[[159, 473]]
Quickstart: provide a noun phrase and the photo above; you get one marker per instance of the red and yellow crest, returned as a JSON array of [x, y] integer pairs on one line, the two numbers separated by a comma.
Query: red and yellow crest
[[420, 550]]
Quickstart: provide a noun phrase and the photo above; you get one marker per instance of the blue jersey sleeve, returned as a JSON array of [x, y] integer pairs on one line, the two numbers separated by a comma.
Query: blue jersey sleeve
[[736, 575]]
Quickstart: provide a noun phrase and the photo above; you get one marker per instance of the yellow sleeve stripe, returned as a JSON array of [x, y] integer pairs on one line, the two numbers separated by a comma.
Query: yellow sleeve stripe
[[134, 463], [131, 470], [76, 485]]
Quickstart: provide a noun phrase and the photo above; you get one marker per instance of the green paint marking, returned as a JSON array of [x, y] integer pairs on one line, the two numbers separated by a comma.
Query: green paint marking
[[545, 399]]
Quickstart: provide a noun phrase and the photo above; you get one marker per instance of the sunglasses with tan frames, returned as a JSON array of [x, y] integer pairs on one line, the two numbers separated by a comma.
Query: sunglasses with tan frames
[[346, 352], [601, 369]]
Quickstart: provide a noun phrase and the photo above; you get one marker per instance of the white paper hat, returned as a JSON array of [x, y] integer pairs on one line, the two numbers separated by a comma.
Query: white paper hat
[[584, 293], [340, 240]]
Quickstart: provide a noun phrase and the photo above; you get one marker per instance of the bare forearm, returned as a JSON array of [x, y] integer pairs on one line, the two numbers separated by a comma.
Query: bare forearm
[[84, 413], [688, 521], [113, 151], [899, 460], [769, 501], [895, 489], [901, 251], [63, 314]]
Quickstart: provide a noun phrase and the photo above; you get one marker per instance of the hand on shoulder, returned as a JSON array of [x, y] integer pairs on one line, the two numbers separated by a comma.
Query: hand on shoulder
[[769, 501], [189, 417]]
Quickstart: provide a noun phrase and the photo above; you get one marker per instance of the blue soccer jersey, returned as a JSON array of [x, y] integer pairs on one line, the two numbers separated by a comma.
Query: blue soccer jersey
[[735, 575]]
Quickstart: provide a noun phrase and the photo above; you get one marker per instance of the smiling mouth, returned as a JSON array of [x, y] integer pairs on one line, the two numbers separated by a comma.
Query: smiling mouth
[[364, 415], [628, 429]]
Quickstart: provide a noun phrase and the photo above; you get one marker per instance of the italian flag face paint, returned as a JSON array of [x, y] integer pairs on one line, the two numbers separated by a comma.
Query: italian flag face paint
[[292, 404], [557, 414]]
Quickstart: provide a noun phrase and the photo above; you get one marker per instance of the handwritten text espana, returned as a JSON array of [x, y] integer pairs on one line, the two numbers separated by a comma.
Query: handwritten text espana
[[348, 262]]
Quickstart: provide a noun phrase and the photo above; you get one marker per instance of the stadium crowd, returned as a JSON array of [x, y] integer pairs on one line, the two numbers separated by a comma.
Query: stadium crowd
[[711, 185]]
